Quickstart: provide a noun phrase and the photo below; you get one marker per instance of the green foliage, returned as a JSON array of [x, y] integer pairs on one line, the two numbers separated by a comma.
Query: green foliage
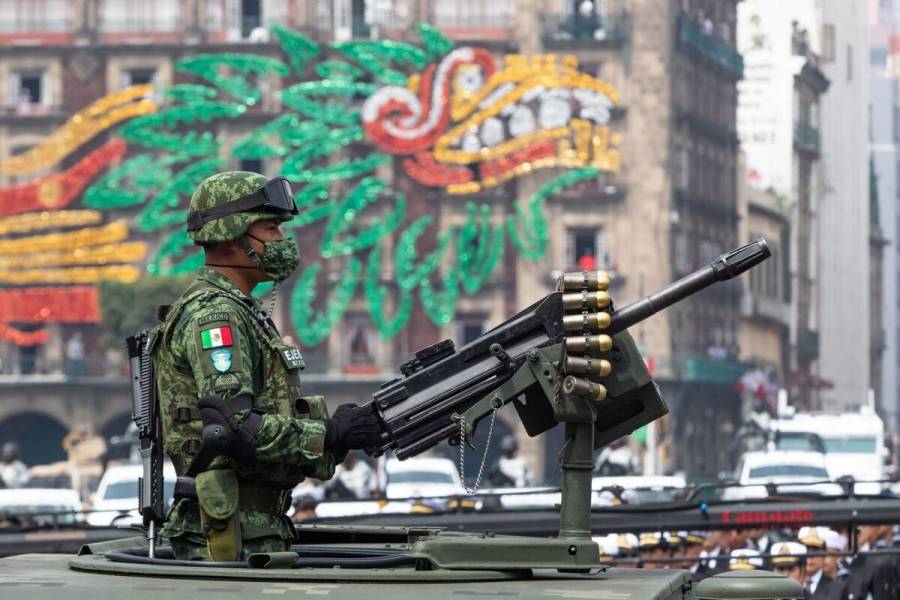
[[129, 307]]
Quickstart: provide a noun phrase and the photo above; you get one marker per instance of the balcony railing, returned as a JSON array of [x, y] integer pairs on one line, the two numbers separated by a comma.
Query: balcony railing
[[807, 137], [566, 31], [10, 24], [765, 307], [692, 37]]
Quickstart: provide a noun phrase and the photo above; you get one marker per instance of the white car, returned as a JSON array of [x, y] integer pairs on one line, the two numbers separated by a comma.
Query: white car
[[641, 489], [794, 472], [42, 504], [116, 501], [422, 478]]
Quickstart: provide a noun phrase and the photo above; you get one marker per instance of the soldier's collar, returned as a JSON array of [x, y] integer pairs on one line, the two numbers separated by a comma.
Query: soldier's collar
[[222, 282]]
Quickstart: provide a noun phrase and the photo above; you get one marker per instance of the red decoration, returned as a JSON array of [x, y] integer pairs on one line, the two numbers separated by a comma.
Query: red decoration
[[533, 153], [23, 338], [386, 116], [74, 304], [428, 171], [58, 190]]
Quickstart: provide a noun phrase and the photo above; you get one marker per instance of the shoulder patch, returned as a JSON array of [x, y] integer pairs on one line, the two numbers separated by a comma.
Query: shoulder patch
[[216, 337], [221, 360], [214, 317], [227, 381]]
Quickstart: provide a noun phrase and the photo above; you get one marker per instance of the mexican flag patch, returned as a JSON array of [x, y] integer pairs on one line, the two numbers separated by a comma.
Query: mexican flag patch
[[215, 338]]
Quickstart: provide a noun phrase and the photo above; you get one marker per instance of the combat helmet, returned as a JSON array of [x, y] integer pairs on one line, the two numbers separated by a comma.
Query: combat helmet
[[224, 205]]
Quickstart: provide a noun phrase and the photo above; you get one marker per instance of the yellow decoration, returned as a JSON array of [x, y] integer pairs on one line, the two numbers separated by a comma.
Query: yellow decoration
[[102, 114], [521, 75], [122, 273], [594, 146], [413, 83], [95, 255], [32, 221], [50, 193], [70, 240]]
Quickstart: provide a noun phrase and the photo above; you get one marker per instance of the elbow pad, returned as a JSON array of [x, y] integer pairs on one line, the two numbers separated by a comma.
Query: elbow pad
[[215, 411]]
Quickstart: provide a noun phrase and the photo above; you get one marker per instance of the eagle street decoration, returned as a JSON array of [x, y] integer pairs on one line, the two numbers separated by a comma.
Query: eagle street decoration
[[456, 119]]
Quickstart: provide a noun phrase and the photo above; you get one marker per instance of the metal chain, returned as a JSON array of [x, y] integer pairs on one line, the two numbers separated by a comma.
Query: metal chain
[[272, 302], [462, 452]]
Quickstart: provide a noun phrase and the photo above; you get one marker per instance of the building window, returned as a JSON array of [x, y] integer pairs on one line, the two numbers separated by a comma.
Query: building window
[[849, 62], [361, 341], [681, 258], [766, 280], [254, 165], [827, 42], [28, 92], [682, 168], [129, 16], [584, 249], [251, 16], [468, 328], [46, 16], [138, 76]]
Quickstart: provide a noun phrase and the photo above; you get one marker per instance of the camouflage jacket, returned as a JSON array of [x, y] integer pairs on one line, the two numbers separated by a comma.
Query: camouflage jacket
[[215, 341]]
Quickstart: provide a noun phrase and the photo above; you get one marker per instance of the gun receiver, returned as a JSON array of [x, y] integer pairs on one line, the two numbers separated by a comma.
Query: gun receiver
[[146, 417], [555, 346]]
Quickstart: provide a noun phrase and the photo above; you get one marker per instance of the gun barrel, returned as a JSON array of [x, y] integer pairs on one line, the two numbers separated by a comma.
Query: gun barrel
[[727, 266]]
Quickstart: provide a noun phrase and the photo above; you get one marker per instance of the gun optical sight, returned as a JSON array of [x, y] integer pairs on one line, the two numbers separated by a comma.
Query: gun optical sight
[[591, 281], [587, 322], [585, 344], [585, 300]]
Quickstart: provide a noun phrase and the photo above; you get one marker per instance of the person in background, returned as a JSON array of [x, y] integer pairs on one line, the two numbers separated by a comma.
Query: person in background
[[13, 472], [510, 470], [75, 355], [789, 559], [353, 479], [818, 584], [304, 508], [587, 261]]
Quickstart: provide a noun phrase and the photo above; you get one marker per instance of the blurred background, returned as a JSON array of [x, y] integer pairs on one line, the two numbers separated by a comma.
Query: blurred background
[[641, 137]]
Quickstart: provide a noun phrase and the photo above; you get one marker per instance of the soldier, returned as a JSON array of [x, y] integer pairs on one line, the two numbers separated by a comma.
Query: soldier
[[221, 362], [745, 559], [510, 470], [13, 472], [818, 584], [789, 559]]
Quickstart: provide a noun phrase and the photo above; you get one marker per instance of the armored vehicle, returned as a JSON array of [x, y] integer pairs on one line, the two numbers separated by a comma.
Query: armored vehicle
[[566, 359]]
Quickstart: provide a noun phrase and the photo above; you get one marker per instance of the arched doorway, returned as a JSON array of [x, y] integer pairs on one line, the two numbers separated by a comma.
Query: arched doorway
[[39, 437]]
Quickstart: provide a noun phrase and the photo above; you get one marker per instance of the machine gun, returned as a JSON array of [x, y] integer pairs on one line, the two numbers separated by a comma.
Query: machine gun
[[565, 359], [145, 415]]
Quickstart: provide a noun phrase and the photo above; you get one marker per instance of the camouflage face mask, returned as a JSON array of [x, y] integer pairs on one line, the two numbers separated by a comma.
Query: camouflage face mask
[[279, 258]]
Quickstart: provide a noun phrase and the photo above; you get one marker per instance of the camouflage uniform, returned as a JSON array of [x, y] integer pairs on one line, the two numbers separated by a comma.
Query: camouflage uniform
[[215, 341]]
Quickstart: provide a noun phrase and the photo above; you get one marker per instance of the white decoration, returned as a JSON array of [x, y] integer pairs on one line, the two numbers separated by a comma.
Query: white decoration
[[470, 143], [492, 131], [522, 121], [554, 112]]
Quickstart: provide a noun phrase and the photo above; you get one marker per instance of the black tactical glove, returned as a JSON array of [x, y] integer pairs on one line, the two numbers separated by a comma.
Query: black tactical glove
[[351, 428]]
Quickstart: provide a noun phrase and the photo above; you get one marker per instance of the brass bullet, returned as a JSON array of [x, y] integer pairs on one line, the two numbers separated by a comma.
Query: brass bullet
[[591, 281], [585, 300], [582, 387], [584, 344], [592, 367], [587, 322]]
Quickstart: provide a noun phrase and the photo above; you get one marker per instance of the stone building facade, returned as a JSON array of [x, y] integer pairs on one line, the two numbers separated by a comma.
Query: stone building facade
[[671, 208]]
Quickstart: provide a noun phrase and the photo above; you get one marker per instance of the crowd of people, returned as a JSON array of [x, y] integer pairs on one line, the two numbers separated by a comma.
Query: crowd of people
[[816, 557]]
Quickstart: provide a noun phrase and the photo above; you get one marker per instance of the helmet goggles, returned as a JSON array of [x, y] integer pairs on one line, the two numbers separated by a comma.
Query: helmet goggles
[[275, 197]]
